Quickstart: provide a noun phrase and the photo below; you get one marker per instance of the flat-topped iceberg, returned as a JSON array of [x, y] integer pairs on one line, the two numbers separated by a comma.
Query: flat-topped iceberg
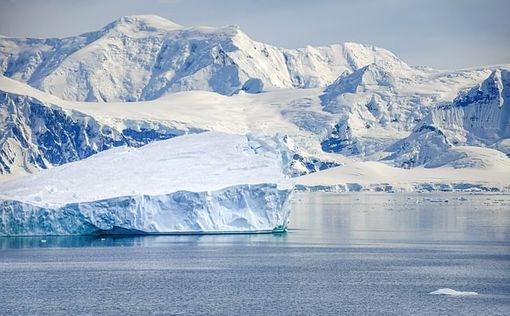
[[209, 182]]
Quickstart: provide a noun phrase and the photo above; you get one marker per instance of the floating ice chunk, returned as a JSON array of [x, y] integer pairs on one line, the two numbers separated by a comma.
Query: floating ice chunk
[[447, 291]]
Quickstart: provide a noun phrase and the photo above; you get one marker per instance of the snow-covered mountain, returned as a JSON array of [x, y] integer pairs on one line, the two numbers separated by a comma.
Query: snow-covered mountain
[[377, 106], [335, 104], [144, 57], [479, 116], [40, 131], [36, 134]]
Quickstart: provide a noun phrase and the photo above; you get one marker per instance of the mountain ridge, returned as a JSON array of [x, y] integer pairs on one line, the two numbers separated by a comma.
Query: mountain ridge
[[162, 57]]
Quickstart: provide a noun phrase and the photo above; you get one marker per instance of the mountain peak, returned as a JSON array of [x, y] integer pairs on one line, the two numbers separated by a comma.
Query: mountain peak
[[375, 74], [142, 57], [495, 88], [359, 80], [147, 22]]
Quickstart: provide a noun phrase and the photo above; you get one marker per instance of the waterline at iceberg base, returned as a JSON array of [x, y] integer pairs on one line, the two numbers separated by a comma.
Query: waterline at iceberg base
[[236, 209], [203, 183]]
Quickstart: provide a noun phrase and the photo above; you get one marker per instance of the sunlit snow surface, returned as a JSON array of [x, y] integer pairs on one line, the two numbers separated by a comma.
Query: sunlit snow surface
[[478, 169], [210, 182]]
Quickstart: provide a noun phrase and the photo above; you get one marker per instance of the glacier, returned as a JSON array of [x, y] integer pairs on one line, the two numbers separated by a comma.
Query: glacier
[[475, 169], [322, 132], [376, 107], [201, 183]]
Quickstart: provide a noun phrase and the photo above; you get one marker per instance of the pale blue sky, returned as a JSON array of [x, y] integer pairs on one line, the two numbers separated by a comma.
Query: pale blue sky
[[437, 33]]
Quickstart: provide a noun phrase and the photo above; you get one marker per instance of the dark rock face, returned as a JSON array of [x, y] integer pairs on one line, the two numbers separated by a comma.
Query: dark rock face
[[340, 141], [311, 164], [35, 135], [253, 85]]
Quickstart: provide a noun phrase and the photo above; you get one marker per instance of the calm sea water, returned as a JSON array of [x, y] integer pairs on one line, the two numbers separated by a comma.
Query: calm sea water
[[344, 254]]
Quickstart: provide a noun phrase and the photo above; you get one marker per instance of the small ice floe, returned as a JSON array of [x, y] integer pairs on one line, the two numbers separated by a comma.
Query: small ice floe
[[452, 292], [103, 238], [43, 240]]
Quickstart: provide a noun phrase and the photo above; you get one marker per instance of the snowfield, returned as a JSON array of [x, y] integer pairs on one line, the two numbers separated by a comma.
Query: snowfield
[[207, 182]]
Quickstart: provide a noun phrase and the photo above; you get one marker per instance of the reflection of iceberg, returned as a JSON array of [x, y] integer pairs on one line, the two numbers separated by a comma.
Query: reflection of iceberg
[[210, 182], [447, 291]]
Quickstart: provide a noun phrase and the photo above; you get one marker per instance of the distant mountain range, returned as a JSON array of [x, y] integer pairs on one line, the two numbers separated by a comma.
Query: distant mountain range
[[335, 104], [143, 57]]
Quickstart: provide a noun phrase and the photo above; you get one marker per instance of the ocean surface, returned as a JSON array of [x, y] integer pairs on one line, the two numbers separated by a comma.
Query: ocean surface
[[353, 254]]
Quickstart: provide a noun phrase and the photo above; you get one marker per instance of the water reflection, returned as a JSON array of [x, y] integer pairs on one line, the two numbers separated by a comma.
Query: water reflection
[[411, 217], [139, 241], [340, 219]]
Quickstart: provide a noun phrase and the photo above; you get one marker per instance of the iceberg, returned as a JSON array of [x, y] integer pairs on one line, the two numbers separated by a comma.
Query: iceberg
[[202, 183], [447, 291]]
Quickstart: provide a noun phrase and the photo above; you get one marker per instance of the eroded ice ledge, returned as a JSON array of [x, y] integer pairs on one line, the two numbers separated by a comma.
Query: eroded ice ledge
[[209, 182]]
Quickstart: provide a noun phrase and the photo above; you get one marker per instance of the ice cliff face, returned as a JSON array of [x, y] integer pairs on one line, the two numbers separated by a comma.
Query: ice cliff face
[[206, 182], [144, 57], [242, 208], [479, 116]]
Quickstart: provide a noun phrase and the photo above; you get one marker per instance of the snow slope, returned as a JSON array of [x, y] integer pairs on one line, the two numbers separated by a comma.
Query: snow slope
[[143, 57], [374, 107], [320, 137], [479, 116], [295, 113], [36, 133], [195, 183]]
